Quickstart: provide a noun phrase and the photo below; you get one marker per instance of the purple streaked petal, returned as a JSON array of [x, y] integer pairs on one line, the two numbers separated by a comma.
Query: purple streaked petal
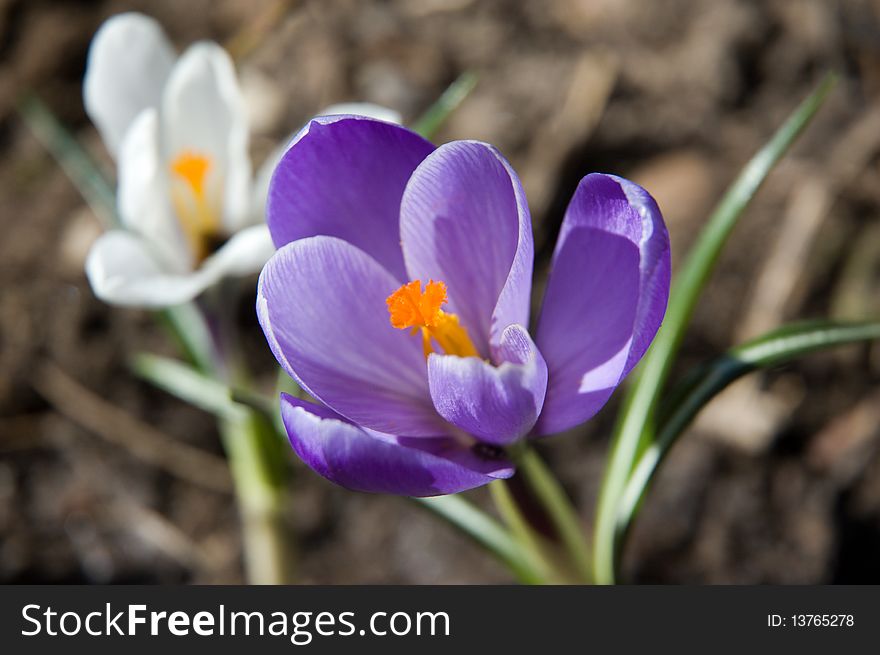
[[655, 271], [344, 176], [616, 205], [356, 459], [495, 404], [464, 220], [586, 323], [605, 299], [321, 303]]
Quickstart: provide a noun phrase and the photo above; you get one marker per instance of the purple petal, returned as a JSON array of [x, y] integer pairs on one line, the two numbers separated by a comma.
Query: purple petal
[[497, 405], [321, 302], [655, 270], [605, 299], [616, 205], [344, 176], [358, 460], [464, 220]]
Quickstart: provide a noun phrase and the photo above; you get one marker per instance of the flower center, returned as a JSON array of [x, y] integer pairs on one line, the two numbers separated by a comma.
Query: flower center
[[198, 217], [410, 307]]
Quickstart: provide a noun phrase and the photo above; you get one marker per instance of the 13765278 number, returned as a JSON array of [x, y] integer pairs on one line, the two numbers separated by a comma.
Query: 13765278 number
[[822, 620], [811, 621]]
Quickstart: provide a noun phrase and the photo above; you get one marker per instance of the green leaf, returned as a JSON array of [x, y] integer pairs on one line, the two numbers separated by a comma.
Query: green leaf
[[238, 411], [265, 456], [487, 533], [189, 329], [635, 424], [260, 469], [188, 384], [559, 509], [79, 166], [520, 529], [773, 349], [428, 124], [200, 390]]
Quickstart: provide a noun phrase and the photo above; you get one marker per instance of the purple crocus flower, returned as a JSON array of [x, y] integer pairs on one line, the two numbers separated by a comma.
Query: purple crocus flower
[[399, 298]]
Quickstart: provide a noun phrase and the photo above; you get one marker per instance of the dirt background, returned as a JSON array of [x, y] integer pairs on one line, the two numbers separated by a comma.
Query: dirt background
[[777, 482]]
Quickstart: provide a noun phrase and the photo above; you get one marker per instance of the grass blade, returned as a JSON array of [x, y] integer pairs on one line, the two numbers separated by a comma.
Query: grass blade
[[77, 164], [188, 384], [428, 124], [565, 519], [637, 413], [773, 349], [189, 329], [238, 411], [488, 533], [520, 529]]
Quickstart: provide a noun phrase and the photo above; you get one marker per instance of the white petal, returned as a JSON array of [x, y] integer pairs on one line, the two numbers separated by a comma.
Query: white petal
[[123, 271], [203, 112], [243, 254], [142, 195], [129, 60], [367, 109]]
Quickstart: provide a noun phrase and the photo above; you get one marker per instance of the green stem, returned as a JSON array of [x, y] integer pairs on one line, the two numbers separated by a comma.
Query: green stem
[[255, 459], [522, 531], [261, 498], [485, 531], [562, 513]]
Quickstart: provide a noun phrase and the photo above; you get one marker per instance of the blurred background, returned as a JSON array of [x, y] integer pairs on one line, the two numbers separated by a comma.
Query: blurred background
[[777, 482]]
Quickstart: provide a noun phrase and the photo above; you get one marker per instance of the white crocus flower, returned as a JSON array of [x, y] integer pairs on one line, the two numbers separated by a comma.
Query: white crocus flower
[[191, 211], [178, 128]]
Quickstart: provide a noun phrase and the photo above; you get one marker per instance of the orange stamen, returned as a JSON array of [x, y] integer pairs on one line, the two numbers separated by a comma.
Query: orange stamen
[[192, 169], [198, 218], [410, 307]]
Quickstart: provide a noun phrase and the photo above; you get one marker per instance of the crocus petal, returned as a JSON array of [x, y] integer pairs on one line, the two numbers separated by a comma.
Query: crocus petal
[[245, 253], [618, 206], [142, 194], [122, 270], [497, 405], [264, 173], [364, 460], [464, 220], [367, 109], [353, 458], [203, 113], [344, 176], [129, 60], [321, 302], [605, 298], [655, 268]]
